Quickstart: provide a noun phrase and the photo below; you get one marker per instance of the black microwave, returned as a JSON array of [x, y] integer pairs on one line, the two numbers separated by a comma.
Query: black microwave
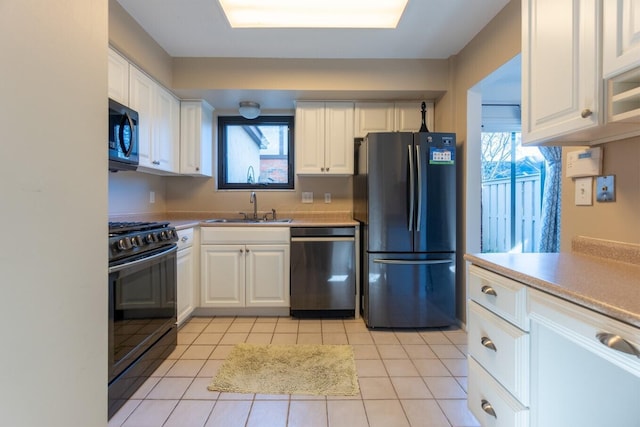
[[123, 137]]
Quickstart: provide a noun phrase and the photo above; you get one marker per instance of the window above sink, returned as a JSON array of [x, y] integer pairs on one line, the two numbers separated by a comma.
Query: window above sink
[[255, 153]]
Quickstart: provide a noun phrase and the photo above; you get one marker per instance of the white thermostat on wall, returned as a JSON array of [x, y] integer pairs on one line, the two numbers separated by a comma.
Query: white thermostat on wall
[[584, 162]]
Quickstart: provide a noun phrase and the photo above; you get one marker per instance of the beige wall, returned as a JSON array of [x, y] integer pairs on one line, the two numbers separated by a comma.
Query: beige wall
[[496, 44], [619, 220], [53, 183], [349, 75], [126, 36]]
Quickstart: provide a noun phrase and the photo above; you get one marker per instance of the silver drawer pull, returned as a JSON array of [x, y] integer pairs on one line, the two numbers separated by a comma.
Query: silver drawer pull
[[486, 341], [488, 290], [184, 238], [618, 343], [486, 407]]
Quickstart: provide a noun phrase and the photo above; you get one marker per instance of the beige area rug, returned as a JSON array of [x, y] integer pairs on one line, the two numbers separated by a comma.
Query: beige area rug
[[327, 370]]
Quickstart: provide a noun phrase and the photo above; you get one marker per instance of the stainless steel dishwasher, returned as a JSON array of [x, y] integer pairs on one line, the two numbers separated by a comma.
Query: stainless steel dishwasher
[[323, 271]]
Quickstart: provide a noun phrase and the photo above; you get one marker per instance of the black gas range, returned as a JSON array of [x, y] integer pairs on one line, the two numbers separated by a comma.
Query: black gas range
[[142, 304], [131, 240]]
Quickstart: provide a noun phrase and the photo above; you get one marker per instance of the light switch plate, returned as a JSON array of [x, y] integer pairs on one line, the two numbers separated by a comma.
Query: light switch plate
[[584, 191], [307, 197], [606, 188]]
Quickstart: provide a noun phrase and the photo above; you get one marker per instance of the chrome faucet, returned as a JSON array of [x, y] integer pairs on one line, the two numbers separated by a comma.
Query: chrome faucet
[[253, 199]]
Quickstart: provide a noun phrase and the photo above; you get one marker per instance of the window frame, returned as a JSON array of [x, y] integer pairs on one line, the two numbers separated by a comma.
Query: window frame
[[224, 121]]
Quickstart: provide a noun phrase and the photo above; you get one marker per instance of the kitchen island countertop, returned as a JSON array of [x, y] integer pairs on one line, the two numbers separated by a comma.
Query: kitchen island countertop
[[609, 287]]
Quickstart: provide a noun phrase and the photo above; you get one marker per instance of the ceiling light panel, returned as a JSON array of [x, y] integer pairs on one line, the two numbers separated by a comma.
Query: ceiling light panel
[[313, 13]]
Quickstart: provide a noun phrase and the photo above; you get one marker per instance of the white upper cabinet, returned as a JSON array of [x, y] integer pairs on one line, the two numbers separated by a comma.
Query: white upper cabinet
[[118, 73], [561, 90], [196, 138], [324, 138], [408, 116], [621, 36], [563, 96], [391, 117], [374, 117], [159, 123]]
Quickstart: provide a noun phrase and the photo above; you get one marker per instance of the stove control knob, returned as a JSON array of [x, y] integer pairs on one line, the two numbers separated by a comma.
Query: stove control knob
[[137, 241], [163, 235], [125, 244], [150, 238]]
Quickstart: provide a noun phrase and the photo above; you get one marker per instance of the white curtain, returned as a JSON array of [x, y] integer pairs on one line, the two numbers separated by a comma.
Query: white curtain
[[551, 200]]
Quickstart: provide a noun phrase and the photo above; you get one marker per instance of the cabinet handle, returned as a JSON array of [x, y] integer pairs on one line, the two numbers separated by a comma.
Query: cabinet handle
[[156, 162], [247, 250], [184, 238], [586, 113], [486, 341], [488, 290], [616, 342], [327, 169], [321, 169], [241, 251], [486, 407], [197, 169]]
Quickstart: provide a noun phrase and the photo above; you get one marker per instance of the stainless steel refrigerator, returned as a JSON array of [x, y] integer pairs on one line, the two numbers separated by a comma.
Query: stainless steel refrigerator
[[404, 191]]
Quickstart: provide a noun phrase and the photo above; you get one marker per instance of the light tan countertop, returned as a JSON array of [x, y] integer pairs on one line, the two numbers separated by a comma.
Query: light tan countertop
[[603, 285], [187, 220]]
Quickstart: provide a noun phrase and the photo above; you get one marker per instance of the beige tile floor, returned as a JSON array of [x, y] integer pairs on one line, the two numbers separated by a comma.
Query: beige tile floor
[[407, 378]]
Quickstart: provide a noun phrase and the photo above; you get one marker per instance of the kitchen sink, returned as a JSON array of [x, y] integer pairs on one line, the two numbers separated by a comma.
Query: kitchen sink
[[247, 221]]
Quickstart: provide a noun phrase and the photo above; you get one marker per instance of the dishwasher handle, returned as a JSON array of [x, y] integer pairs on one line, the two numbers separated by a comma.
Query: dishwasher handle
[[323, 239]]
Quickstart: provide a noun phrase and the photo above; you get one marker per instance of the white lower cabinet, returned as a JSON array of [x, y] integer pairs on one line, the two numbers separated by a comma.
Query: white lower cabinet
[[498, 342], [491, 403], [554, 364], [577, 380], [245, 267], [186, 274]]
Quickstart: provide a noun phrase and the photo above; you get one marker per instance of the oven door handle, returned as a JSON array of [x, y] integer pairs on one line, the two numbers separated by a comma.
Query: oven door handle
[[117, 268]]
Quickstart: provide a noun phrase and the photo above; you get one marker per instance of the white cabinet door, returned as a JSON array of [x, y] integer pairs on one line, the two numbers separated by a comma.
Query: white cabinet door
[[267, 275], [166, 146], [621, 36], [561, 85], [141, 99], [408, 116], [118, 77], [186, 283], [196, 138], [338, 138], [576, 379], [159, 123], [309, 142], [223, 275], [373, 117]]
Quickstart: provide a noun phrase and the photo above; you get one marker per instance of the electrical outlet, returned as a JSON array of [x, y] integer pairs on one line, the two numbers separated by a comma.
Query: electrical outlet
[[327, 197], [307, 197], [584, 191], [152, 196]]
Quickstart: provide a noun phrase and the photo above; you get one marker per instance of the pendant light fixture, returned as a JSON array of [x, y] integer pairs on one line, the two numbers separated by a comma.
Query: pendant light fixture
[[249, 109]]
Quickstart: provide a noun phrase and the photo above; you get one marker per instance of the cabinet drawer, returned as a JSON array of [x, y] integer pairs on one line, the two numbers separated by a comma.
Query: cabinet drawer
[[244, 235], [185, 238], [501, 348], [504, 297], [484, 390]]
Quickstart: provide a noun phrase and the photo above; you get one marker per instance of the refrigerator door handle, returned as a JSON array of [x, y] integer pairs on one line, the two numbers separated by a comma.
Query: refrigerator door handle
[[411, 188], [419, 179], [408, 261]]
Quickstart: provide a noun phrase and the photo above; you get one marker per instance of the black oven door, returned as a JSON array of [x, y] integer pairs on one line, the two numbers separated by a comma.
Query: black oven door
[[142, 306]]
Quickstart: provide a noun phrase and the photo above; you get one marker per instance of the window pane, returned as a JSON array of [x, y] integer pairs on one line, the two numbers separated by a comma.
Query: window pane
[[255, 153]]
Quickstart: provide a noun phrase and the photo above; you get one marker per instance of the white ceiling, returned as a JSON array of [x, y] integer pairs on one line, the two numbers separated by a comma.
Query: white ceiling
[[432, 29], [198, 28]]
